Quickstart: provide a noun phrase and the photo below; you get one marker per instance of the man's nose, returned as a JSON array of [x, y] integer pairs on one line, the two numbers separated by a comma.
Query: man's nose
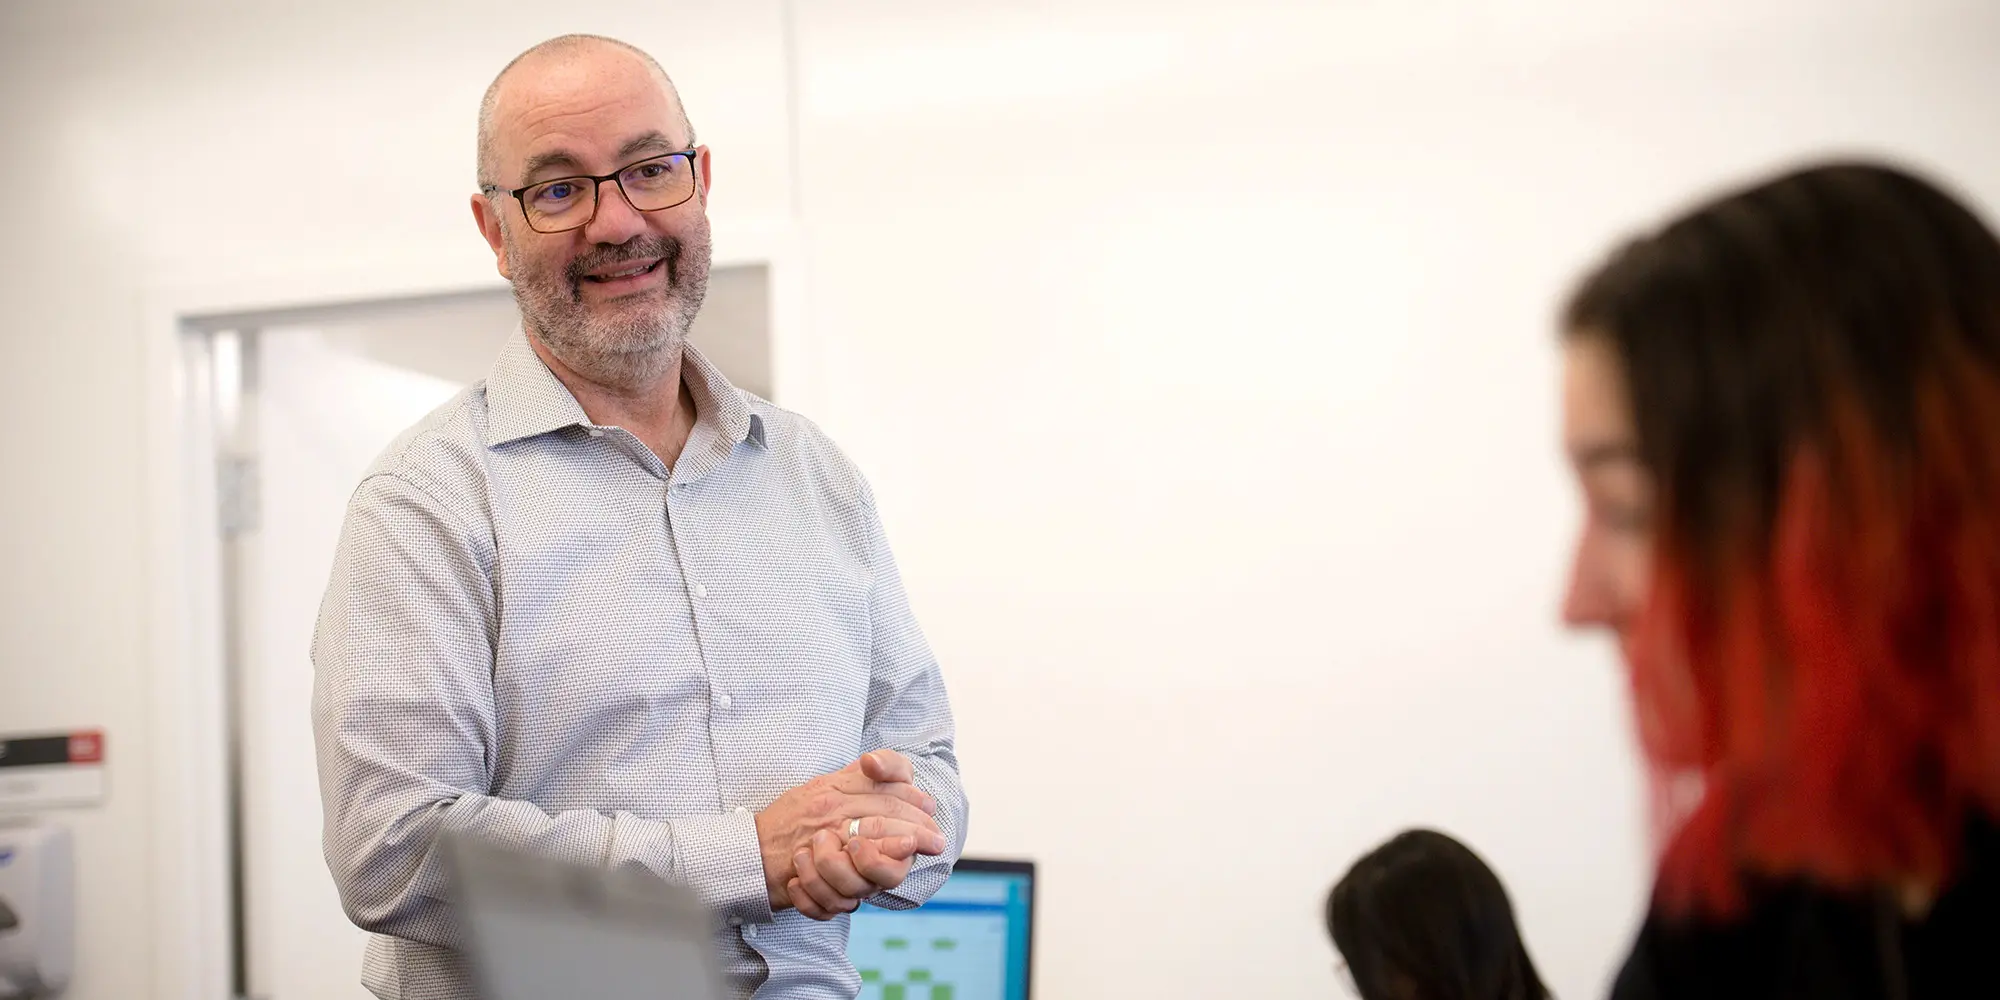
[[616, 220]]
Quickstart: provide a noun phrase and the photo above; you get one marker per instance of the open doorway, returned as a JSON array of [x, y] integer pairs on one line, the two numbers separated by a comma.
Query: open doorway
[[298, 403]]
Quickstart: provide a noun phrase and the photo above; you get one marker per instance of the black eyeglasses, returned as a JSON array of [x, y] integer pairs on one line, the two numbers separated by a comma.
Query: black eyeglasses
[[650, 185]]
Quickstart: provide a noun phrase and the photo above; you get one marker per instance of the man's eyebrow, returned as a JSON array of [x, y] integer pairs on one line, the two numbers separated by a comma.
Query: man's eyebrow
[[650, 142], [553, 158], [647, 143]]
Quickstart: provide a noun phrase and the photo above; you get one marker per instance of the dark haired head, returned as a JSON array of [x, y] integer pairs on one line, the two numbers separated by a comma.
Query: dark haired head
[[1422, 918], [1812, 366]]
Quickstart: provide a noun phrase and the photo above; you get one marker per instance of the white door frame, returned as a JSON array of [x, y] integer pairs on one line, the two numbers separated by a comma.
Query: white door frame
[[186, 744]]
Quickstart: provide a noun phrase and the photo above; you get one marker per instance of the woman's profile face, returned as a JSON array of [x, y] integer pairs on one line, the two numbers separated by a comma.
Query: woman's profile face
[[1612, 566]]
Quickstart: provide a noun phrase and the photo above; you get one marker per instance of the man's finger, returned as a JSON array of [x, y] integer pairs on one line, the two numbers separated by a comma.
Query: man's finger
[[803, 901], [887, 765], [908, 793], [836, 868], [877, 867], [852, 780], [829, 899], [900, 848], [890, 806], [922, 839]]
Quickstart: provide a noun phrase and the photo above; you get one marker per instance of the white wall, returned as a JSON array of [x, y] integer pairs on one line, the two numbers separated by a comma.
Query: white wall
[[1202, 357], [1201, 362]]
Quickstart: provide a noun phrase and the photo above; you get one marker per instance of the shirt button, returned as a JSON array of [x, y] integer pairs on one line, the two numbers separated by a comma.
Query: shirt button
[[740, 811], [594, 432], [750, 931], [724, 701], [735, 921], [700, 591]]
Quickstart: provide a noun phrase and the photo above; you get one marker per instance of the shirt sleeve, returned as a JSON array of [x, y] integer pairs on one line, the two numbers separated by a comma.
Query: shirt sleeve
[[404, 724], [909, 712]]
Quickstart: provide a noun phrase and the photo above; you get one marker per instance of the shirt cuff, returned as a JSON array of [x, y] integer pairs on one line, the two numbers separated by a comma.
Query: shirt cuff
[[720, 859], [917, 889]]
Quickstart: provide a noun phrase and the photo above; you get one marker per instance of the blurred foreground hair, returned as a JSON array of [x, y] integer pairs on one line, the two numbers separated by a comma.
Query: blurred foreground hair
[[1814, 370]]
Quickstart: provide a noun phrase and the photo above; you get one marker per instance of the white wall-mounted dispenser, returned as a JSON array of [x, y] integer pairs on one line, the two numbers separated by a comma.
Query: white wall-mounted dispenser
[[37, 909]]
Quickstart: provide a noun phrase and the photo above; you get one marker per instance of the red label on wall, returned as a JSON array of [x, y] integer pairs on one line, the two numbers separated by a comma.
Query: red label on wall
[[86, 747]]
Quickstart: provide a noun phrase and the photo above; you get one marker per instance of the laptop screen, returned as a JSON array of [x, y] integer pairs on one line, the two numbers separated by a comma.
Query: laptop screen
[[972, 941]]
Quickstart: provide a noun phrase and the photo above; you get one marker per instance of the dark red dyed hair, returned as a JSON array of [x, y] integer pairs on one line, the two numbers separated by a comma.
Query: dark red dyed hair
[[1814, 370]]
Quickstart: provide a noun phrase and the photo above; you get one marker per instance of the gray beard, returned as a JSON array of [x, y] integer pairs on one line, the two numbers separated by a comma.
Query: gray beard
[[639, 346]]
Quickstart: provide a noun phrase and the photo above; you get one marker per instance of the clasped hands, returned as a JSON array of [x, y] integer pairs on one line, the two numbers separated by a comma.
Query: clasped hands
[[842, 837]]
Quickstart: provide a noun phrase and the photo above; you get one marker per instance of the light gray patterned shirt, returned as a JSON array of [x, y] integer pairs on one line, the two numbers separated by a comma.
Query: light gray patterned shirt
[[536, 631]]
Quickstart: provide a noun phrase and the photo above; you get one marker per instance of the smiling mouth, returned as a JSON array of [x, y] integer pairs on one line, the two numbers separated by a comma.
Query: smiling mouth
[[629, 272]]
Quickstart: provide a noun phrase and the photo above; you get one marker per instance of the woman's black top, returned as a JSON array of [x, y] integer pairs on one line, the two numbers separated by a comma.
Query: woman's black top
[[1798, 940]]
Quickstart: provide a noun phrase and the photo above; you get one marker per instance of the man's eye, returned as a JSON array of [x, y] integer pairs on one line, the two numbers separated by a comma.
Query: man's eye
[[556, 193]]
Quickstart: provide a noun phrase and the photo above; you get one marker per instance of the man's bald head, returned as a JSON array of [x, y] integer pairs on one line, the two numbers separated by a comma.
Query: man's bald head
[[561, 49]]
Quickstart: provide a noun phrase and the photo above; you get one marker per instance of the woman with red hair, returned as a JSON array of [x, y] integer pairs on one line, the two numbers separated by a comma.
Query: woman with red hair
[[1783, 409]]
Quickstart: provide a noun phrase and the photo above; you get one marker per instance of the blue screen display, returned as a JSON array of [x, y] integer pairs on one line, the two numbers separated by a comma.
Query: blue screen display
[[970, 942]]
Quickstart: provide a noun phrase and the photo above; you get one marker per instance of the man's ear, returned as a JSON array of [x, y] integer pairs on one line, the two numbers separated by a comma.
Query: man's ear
[[486, 212]]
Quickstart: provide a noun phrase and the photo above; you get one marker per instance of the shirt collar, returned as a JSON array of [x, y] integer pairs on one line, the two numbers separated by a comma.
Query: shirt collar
[[718, 404], [524, 399]]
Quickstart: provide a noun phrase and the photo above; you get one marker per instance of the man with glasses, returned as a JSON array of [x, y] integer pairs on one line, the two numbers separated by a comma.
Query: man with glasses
[[606, 606]]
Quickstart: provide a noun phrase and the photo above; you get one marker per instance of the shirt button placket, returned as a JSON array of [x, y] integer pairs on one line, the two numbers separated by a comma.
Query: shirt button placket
[[698, 597]]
